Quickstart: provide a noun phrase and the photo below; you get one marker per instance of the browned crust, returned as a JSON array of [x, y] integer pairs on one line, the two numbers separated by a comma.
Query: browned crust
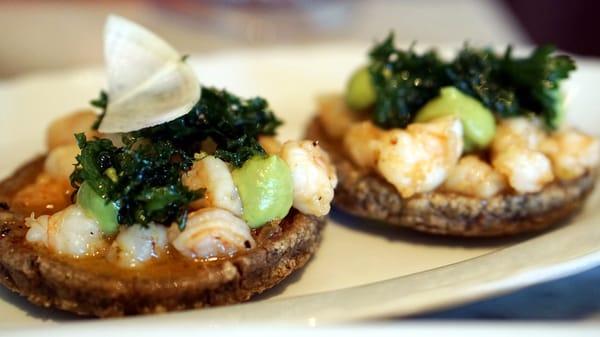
[[48, 280], [367, 194]]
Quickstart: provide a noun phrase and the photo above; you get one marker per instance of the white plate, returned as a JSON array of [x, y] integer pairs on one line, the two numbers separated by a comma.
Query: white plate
[[362, 270]]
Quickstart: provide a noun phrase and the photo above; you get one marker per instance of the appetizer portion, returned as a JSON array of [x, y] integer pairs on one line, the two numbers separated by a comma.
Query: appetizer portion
[[176, 196], [473, 146]]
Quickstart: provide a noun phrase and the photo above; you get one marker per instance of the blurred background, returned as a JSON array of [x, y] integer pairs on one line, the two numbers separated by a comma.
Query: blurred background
[[39, 35]]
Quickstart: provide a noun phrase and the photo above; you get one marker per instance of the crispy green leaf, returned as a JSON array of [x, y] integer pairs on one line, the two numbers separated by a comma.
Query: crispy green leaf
[[404, 81], [144, 176], [101, 103], [149, 185], [231, 122]]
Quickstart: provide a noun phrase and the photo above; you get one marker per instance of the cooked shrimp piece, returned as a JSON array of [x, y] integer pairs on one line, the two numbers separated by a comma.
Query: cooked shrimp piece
[[70, 232], [526, 132], [138, 244], [572, 153], [62, 130], [313, 175], [61, 161], [527, 170], [419, 158], [38, 229], [515, 154], [474, 177], [361, 142], [448, 129], [334, 115], [211, 233], [213, 174], [270, 144], [46, 195]]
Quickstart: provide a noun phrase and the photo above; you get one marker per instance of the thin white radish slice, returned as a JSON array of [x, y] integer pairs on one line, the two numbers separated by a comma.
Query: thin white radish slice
[[149, 83]]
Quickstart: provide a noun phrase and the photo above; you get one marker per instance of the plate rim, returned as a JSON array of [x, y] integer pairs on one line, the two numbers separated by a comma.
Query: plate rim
[[517, 280]]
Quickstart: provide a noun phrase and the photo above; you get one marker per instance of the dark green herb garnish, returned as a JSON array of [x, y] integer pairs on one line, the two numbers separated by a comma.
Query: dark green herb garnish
[[480, 73], [144, 175], [101, 103], [404, 81], [231, 122], [537, 80]]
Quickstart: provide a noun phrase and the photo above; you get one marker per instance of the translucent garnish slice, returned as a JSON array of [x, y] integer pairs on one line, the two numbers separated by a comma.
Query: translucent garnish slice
[[149, 82]]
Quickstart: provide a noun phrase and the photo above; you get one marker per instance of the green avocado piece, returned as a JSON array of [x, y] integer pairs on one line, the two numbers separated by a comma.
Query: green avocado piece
[[468, 145], [478, 122], [360, 92], [96, 207], [266, 188]]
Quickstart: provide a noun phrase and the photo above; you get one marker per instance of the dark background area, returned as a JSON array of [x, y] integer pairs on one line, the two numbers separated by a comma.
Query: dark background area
[[572, 25]]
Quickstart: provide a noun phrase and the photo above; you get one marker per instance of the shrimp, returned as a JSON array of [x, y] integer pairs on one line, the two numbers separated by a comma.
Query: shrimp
[[334, 115], [527, 170], [572, 153], [213, 174], [211, 233], [270, 144], [516, 155], [69, 232], [138, 244], [520, 131], [62, 130], [61, 161], [419, 158], [51, 190], [313, 175], [46, 195], [361, 142], [474, 177]]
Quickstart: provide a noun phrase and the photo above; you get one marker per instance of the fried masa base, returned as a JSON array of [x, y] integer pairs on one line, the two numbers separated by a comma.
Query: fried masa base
[[367, 194], [97, 288]]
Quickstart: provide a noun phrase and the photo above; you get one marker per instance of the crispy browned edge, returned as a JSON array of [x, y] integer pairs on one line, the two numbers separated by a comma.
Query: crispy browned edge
[[368, 195], [49, 281]]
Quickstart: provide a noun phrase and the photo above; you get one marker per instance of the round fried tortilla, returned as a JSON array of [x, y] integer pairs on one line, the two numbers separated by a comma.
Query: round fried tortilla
[[96, 287], [366, 194]]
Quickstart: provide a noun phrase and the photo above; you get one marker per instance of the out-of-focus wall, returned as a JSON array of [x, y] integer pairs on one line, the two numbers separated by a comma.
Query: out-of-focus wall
[[571, 25], [36, 34]]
